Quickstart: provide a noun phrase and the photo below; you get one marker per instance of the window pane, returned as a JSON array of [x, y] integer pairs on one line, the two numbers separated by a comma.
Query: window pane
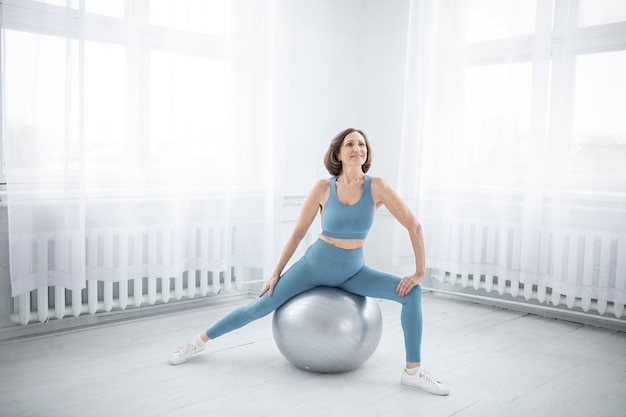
[[112, 8], [599, 126], [496, 19], [61, 3], [105, 106], [497, 118], [599, 12], [39, 101], [205, 16], [187, 113]]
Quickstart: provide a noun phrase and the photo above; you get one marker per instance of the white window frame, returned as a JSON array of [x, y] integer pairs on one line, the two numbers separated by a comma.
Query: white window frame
[[567, 42], [133, 31]]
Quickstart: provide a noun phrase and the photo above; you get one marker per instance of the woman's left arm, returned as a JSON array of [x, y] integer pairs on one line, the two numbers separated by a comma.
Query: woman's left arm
[[383, 193]]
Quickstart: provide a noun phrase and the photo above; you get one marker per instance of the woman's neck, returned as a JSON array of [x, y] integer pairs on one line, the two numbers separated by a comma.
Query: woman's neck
[[350, 176]]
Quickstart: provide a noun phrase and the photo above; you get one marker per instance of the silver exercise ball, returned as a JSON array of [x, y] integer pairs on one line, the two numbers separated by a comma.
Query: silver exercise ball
[[327, 329]]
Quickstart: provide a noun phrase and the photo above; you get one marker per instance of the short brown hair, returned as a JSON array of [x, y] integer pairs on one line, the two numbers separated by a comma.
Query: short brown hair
[[333, 165]]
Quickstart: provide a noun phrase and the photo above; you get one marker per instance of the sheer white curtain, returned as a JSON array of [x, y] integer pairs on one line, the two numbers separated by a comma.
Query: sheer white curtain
[[134, 131], [514, 146]]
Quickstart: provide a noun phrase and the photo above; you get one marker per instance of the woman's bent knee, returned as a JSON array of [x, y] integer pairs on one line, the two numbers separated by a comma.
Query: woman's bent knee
[[415, 295]]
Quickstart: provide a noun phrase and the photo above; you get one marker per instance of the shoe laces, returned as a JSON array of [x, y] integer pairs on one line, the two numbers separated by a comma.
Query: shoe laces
[[187, 348], [428, 377]]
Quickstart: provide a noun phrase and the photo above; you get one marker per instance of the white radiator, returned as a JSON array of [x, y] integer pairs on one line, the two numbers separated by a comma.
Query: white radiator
[[579, 269], [215, 260]]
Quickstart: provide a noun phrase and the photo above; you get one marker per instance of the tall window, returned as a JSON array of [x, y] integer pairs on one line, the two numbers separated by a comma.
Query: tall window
[[118, 90], [522, 173], [583, 43], [133, 121]]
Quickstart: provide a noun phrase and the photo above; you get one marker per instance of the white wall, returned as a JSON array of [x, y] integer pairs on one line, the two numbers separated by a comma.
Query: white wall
[[341, 64], [382, 49]]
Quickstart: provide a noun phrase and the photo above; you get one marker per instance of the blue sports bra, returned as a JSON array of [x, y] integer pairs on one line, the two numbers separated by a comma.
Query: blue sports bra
[[342, 221]]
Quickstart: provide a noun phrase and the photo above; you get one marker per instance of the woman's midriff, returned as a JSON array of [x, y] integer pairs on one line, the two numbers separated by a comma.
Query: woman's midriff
[[343, 243]]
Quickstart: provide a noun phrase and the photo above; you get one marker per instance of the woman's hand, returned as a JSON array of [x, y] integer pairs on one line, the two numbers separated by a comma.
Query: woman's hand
[[406, 285], [269, 286]]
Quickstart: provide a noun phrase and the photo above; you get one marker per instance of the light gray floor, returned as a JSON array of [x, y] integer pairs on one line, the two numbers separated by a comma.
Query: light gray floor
[[496, 362]]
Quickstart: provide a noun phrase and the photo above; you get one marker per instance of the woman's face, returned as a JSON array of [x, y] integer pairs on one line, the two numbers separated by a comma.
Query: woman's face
[[353, 150]]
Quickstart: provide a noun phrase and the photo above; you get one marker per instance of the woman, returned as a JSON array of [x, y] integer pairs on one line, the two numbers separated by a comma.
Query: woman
[[347, 203]]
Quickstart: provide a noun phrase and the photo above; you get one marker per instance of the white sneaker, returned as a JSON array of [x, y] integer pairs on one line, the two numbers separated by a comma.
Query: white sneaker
[[424, 380], [185, 352]]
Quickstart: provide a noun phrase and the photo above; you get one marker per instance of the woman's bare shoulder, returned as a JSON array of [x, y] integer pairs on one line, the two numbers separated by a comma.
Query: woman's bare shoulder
[[320, 188], [381, 191], [322, 184], [379, 183]]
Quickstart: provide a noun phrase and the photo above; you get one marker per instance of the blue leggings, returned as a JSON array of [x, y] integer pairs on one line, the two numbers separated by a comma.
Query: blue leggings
[[327, 265]]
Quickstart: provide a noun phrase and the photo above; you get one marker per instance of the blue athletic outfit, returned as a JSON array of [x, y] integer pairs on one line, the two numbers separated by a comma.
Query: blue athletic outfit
[[326, 265]]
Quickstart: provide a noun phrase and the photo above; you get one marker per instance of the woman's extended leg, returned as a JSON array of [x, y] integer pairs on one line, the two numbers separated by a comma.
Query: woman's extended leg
[[322, 264], [296, 280]]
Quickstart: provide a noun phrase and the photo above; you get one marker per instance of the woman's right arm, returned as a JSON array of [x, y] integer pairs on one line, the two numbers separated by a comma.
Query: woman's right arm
[[310, 208]]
